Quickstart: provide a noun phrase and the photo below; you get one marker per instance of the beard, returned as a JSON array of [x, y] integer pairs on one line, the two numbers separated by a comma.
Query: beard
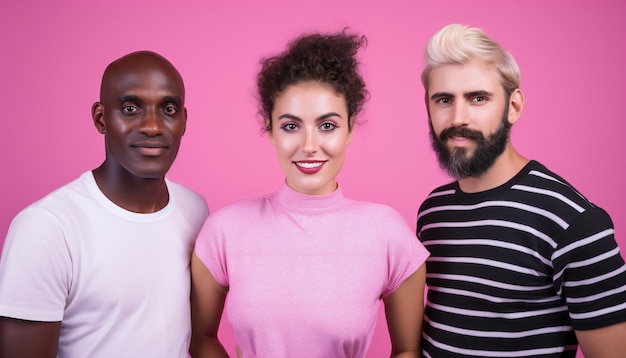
[[459, 162]]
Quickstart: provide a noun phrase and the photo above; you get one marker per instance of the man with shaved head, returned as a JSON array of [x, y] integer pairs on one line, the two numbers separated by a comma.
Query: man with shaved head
[[100, 267]]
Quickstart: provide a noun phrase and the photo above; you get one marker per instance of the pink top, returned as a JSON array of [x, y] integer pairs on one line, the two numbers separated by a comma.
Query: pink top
[[306, 273]]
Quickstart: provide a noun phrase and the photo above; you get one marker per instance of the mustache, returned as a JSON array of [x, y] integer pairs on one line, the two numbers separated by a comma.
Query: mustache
[[460, 132]]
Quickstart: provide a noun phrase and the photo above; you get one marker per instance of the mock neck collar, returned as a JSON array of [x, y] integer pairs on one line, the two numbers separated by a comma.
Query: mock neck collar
[[309, 204]]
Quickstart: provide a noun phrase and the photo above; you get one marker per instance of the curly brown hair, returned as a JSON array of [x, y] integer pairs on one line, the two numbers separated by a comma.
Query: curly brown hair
[[325, 58]]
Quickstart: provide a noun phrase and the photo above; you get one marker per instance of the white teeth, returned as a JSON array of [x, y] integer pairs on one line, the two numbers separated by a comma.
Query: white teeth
[[309, 165]]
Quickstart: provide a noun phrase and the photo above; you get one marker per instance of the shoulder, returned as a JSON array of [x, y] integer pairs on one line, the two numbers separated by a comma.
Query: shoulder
[[441, 193], [191, 204], [375, 213], [188, 198], [243, 209], [235, 220], [67, 199], [544, 183], [186, 195]]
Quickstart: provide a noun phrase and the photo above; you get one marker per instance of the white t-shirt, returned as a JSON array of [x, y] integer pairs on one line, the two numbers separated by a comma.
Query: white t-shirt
[[119, 281]]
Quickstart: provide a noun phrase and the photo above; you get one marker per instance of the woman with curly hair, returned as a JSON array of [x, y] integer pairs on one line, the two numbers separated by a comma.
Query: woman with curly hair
[[305, 268]]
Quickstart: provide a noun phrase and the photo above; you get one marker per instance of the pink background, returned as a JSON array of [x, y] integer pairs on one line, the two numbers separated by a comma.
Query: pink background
[[572, 55]]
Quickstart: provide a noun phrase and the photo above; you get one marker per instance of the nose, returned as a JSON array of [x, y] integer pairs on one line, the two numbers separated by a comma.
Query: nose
[[151, 124], [310, 141], [460, 114]]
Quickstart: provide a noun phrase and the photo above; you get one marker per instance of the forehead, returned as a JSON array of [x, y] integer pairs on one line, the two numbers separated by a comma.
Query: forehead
[[310, 98], [149, 79], [464, 78]]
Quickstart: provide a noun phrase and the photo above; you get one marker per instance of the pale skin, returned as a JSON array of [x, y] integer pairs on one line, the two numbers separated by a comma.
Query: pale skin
[[310, 124], [472, 95]]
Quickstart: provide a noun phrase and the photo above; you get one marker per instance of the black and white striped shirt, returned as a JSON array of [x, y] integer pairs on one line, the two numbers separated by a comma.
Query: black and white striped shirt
[[516, 269]]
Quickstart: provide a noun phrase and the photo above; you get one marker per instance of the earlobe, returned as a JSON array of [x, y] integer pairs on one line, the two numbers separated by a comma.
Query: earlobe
[[97, 114], [516, 105]]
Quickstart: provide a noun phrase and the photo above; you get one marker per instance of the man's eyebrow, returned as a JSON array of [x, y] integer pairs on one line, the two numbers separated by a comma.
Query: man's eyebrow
[[438, 95], [173, 99], [480, 93], [128, 98]]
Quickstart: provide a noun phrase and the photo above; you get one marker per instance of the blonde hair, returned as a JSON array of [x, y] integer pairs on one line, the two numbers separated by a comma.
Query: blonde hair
[[459, 44]]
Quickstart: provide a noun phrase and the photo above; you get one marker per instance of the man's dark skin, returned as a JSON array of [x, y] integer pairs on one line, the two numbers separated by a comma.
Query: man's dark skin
[[142, 116]]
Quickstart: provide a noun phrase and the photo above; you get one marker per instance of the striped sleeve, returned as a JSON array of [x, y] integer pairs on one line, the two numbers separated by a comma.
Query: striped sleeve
[[589, 272]]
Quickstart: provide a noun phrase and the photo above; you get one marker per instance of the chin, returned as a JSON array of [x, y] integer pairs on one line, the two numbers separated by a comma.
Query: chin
[[150, 173]]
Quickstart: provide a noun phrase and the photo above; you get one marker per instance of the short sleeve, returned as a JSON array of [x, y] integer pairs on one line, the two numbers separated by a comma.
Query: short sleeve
[[35, 268], [590, 272], [405, 252], [210, 249]]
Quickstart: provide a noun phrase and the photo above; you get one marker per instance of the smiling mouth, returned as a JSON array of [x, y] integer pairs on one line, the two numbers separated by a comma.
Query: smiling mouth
[[309, 165]]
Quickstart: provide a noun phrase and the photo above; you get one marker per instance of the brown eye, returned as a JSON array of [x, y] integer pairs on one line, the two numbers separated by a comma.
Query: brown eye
[[170, 110], [289, 127], [327, 126], [129, 109]]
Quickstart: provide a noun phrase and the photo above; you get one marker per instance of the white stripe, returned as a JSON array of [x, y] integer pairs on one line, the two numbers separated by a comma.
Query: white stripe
[[482, 281], [587, 262], [494, 243], [490, 314], [599, 312], [465, 293], [497, 334], [487, 262], [500, 223], [597, 296], [482, 353], [582, 242], [509, 204], [596, 279], [440, 193], [553, 194], [546, 176]]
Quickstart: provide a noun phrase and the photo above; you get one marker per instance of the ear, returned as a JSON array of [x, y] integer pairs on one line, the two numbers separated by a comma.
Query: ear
[[516, 105], [270, 133], [184, 120], [351, 132], [97, 114]]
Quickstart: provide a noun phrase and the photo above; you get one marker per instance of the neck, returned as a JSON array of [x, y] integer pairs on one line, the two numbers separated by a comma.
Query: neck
[[140, 195], [508, 164]]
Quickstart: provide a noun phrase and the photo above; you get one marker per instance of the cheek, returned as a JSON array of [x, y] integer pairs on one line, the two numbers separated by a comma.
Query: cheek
[[177, 128], [285, 145], [335, 145], [439, 118], [488, 119]]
